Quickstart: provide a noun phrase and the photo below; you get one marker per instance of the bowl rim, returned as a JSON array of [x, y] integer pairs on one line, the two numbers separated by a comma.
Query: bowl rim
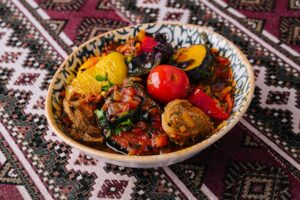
[[148, 159]]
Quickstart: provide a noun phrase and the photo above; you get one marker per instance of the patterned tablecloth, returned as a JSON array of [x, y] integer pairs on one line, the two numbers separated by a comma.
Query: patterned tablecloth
[[258, 159]]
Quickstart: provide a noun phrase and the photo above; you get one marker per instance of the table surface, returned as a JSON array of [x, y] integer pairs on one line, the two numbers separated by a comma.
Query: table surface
[[258, 159]]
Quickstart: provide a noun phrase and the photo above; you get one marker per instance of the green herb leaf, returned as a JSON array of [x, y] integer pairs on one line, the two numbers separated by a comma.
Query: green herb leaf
[[101, 119], [118, 130], [101, 78], [99, 114], [128, 122], [105, 88], [108, 133], [123, 126]]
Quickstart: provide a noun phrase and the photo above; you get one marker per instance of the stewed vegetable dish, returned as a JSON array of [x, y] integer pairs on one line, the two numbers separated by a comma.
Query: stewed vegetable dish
[[145, 97]]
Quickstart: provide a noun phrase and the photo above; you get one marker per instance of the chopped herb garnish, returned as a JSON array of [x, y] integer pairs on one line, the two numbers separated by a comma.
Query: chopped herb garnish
[[101, 118], [100, 114], [106, 87], [118, 130], [108, 133], [128, 122], [101, 78], [123, 126], [104, 78]]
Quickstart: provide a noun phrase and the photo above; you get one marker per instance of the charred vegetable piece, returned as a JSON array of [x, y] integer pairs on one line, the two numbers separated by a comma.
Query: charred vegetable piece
[[156, 50], [131, 119], [207, 104], [199, 59], [164, 48], [143, 63]]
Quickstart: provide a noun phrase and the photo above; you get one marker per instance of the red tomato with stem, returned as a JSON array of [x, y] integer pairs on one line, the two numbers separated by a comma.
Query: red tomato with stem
[[166, 83]]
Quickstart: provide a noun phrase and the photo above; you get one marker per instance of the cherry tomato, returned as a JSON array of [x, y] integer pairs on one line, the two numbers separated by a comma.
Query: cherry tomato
[[148, 43], [166, 83]]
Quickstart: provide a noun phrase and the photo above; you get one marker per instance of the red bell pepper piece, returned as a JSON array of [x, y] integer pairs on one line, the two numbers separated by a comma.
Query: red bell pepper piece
[[161, 140], [201, 100], [137, 131], [222, 72], [223, 61], [147, 44], [229, 102]]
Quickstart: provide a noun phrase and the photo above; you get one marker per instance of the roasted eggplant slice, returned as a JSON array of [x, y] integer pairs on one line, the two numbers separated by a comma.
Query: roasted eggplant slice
[[131, 120], [199, 59], [143, 63]]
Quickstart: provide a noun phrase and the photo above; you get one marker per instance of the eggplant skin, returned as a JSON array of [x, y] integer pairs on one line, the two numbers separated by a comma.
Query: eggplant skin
[[161, 54], [143, 63], [204, 71], [197, 61]]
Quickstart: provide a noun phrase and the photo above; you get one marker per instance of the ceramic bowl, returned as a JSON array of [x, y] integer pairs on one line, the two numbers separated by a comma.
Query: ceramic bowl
[[180, 35]]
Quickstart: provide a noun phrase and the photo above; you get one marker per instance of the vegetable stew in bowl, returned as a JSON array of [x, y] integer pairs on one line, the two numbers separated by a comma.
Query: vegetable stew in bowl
[[144, 96], [149, 95]]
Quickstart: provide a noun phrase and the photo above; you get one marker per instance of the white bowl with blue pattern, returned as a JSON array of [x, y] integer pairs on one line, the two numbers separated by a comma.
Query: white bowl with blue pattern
[[180, 35]]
